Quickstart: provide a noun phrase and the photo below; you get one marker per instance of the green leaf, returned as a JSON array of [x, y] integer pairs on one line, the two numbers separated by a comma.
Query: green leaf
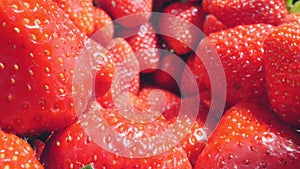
[[295, 8], [90, 166], [289, 3]]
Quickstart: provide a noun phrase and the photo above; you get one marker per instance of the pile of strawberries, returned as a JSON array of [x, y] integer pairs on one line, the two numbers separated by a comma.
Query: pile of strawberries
[[257, 43]]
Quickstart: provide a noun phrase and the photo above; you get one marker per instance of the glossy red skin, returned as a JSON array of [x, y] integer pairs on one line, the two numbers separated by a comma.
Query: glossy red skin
[[240, 50], [60, 151], [169, 72], [169, 101], [194, 142], [138, 10], [187, 38], [80, 12], [250, 136], [122, 56], [103, 27], [212, 24], [282, 65], [196, 138], [145, 43], [36, 88], [190, 78], [16, 153], [239, 12]]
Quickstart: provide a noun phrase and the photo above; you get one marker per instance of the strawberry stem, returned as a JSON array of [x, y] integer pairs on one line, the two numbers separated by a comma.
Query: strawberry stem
[[90, 166]]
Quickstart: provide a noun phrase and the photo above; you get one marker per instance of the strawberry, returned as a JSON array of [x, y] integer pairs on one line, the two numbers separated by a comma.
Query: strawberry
[[131, 13], [169, 73], [126, 65], [250, 136], [238, 12], [144, 43], [60, 151], [80, 12], [104, 67], [16, 153], [212, 24], [195, 139], [241, 52], [190, 79], [180, 32], [39, 45], [166, 102], [282, 65], [103, 27]]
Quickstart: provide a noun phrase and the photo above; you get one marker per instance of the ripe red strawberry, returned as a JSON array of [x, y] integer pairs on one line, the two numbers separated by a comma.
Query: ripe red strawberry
[[160, 99], [190, 79], [80, 12], [239, 12], [212, 24], [137, 12], [282, 65], [249, 136], [16, 153], [39, 45], [103, 27], [126, 65], [60, 151], [104, 65], [177, 31], [195, 140], [169, 73], [240, 50], [144, 42]]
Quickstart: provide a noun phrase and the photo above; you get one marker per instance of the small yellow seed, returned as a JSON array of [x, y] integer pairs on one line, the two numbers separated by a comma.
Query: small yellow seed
[[26, 5], [14, 6], [33, 37], [46, 87], [47, 69], [9, 98], [61, 91], [17, 30], [16, 67], [26, 21], [12, 81], [1, 66]]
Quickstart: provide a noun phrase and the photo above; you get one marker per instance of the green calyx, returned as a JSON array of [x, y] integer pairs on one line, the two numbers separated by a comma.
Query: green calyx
[[293, 7], [90, 166]]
